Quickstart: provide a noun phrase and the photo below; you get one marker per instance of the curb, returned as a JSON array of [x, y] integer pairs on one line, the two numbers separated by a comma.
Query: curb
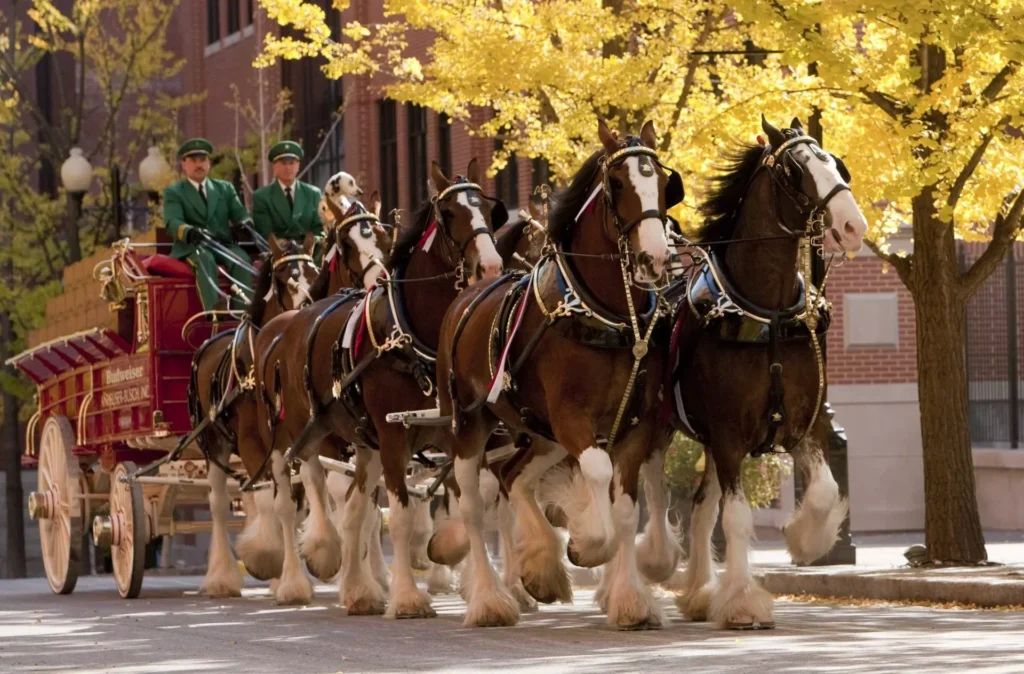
[[896, 585]]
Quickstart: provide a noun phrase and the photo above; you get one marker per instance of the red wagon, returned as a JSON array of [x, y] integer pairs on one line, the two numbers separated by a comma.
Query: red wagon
[[109, 401]]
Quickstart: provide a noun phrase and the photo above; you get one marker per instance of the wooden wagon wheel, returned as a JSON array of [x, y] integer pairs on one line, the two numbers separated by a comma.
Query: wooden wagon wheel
[[57, 505], [129, 531]]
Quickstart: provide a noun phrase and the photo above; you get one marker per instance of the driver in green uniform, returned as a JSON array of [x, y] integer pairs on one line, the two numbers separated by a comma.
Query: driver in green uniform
[[287, 207], [202, 204]]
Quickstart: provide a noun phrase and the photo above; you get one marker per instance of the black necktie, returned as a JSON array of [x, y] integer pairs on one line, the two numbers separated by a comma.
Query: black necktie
[[288, 194], [202, 192]]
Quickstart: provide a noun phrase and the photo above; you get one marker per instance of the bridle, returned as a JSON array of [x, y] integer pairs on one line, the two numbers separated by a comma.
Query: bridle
[[280, 262], [777, 162], [365, 220], [474, 193]]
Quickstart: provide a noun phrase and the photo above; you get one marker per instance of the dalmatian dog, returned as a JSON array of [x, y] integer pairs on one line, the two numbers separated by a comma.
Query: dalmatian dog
[[341, 188]]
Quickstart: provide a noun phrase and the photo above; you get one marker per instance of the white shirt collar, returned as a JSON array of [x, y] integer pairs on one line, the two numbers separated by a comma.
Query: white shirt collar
[[206, 186], [283, 187]]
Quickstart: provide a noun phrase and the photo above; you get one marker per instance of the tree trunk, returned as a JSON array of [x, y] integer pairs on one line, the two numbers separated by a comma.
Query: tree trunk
[[10, 451], [952, 525]]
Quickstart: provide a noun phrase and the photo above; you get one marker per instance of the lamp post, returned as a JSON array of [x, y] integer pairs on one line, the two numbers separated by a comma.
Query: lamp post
[[76, 175]]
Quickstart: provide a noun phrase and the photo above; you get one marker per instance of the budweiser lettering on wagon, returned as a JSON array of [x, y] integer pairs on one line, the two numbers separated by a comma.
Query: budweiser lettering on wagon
[[123, 374]]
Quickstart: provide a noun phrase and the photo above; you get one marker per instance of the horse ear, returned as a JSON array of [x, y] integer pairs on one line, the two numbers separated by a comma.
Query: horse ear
[[473, 171], [608, 139], [844, 172], [375, 203], [275, 245], [535, 210], [775, 137], [438, 180], [648, 135], [499, 214], [795, 124], [308, 243], [674, 192]]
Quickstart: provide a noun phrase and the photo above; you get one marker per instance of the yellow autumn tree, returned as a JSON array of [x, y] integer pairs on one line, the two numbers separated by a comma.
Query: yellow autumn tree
[[928, 110]]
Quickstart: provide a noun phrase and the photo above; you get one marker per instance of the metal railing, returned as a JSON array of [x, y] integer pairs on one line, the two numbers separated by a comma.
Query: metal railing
[[994, 345]]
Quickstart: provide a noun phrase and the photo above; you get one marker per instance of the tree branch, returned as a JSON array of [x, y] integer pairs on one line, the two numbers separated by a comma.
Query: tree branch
[[889, 105], [1006, 229], [900, 264], [1000, 80], [691, 73], [961, 180]]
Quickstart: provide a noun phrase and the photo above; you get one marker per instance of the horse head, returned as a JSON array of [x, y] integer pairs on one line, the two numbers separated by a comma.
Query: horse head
[[638, 191], [362, 244], [467, 221], [292, 272], [821, 184]]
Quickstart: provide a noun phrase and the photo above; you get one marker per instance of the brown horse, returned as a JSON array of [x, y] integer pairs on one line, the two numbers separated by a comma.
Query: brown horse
[[583, 328], [780, 197], [355, 258], [219, 369], [384, 364]]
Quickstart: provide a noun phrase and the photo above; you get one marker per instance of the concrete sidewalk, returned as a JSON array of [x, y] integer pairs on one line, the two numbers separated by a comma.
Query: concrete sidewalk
[[882, 572]]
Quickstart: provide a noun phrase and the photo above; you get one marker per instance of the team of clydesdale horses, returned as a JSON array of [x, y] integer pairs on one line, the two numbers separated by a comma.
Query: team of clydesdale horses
[[574, 339]]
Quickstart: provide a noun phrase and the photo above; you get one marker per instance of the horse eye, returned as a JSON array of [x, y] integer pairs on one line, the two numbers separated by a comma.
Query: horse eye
[[616, 184]]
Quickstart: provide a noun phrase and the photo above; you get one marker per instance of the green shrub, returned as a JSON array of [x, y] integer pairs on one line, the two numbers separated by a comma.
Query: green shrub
[[761, 479]]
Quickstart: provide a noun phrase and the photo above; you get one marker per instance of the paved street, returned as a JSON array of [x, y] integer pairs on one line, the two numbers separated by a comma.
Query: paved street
[[171, 629]]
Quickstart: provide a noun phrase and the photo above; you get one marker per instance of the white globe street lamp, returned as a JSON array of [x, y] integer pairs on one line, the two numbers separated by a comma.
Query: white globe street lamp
[[76, 172], [154, 172]]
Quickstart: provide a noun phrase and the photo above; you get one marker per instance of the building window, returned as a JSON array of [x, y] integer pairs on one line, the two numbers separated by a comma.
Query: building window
[[212, 21], [416, 122], [444, 143], [234, 16], [249, 15], [506, 182], [387, 126]]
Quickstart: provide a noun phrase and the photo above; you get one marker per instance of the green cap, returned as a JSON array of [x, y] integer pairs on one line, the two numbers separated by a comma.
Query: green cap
[[195, 146], [286, 149]]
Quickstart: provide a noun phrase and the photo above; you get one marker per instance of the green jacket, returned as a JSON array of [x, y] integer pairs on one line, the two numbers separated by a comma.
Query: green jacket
[[184, 208], [271, 213]]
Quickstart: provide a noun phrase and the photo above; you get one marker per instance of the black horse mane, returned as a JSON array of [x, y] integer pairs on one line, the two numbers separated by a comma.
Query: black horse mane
[[321, 285], [507, 238], [408, 233], [266, 276], [729, 187], [568, 202]]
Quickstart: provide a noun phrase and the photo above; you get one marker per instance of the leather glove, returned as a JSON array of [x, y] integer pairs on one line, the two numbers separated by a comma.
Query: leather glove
[[192, 235]]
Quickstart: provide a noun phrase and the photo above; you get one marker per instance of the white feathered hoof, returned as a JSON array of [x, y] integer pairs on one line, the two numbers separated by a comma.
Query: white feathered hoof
[[296, 590], [322, 552], [411, 604], [544, 578], [260, 546], [695, 604], [223, 583], [383, 578], [449, 546], [742, 605], [495, 607], [812, 532], [657, 559], [589, 554], [365, 600], [630, 606], [527, 604]]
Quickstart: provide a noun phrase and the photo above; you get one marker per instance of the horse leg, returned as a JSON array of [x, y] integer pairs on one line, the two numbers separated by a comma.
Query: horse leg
[[541, 567], [629, 602], [260, 546], [490, 604], [337, 485], [371, 532], [659, 551], [814, 528], [489, 489], [738, 602], [406, 600], [358, 591], [421, 531], [698, 582], [439, 579], [294, 587], [223, 577], [449, 543], [319, 541], [510, 555], [586, 497]]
